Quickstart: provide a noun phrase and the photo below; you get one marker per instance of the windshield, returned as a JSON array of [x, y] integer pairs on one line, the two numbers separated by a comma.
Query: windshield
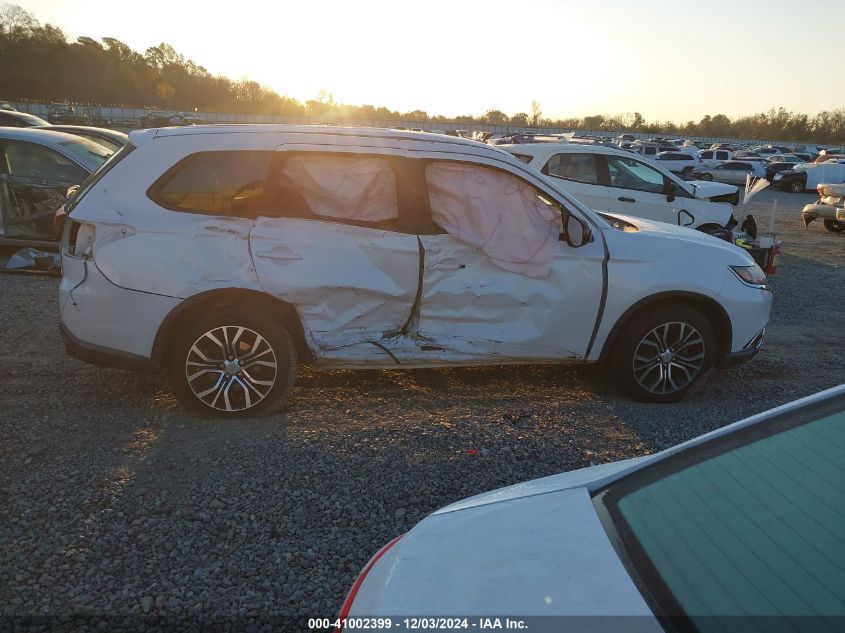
[[746, 525], [89, 150]]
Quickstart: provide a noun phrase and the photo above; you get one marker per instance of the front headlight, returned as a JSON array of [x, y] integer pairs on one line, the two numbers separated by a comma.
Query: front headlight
[[751, 276], [778, 176]]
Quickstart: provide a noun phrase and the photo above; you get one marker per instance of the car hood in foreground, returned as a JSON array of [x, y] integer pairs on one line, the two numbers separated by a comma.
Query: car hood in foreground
[[545, 555]]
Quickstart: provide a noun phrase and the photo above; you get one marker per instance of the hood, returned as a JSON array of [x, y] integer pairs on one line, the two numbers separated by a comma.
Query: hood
[[545, 555], [734, 255], [704, 189]]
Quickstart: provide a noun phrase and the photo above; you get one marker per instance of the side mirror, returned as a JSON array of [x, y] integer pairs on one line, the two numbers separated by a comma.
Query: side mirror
[[576, 233], [670, 188]]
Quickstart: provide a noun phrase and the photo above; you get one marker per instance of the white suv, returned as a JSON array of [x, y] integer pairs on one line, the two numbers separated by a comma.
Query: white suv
[[610, 179], [229, 254]]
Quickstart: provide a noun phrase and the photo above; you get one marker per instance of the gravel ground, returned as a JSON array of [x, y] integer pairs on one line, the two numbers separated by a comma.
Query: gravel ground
[[113, 503]]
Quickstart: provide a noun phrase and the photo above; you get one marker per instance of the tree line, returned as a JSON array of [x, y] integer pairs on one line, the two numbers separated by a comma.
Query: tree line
[[39, 64]]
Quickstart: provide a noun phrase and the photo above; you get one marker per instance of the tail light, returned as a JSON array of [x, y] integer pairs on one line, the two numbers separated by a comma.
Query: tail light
[[350, 597]]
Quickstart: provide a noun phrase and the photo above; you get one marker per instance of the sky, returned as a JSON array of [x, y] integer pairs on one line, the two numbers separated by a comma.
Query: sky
[[667, 59]]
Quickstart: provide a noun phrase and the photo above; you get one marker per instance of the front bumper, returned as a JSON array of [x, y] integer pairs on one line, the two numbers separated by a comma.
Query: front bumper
[[732, 359], [816, 210]]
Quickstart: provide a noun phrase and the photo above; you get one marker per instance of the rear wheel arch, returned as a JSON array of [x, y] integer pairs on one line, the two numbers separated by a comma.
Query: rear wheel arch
[[709, 307], [248, 299]]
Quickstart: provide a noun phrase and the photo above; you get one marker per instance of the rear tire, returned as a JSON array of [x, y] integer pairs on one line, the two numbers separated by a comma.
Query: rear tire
[[834, 226], [231, 363], [707, 177], [663, 353]]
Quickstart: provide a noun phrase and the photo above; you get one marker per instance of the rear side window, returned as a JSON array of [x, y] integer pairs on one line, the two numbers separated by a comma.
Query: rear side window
[[577, 167], [219, 183], [343, 187]]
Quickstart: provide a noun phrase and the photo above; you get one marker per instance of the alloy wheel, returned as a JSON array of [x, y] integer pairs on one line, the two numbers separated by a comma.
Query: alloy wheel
[[231, 368], [669, 357]]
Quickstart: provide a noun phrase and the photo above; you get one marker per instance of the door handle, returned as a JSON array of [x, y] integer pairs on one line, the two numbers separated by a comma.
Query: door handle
[[280, 253], [447, 265], [625, 199]]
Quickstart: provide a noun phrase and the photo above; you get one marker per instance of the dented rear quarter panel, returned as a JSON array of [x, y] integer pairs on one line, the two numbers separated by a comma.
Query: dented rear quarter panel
[[145, 247]]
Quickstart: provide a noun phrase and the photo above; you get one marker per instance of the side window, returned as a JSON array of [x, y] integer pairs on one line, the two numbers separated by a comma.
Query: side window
[[346, 187], [650, 151], [525, 158], [510, 220], [8, 121], [707, 155], [722, 155], [627, 173], [220, 183], [29, 160], [577, 167]]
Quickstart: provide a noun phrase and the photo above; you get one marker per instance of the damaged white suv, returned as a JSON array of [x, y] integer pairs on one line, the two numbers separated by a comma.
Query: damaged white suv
[[229, 254]]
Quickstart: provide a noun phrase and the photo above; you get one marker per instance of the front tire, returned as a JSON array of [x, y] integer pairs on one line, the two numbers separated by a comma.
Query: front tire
[[796, 186], [663, 353], [231, 363], [834, 226]]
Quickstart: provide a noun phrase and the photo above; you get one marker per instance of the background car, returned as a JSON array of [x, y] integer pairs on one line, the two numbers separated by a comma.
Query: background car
[[768, 151], [111, 139], [610, 179], [809, 176], [830, 207], [677, 162], [735, 530], [731, 171], [38, 167], [786, 158], [64, 113], [10, 118], [774, 168], [5, 105], [714, 156]]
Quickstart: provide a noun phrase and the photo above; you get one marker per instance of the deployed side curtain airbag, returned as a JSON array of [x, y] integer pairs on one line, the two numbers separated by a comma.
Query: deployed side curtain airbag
[[495, 212], [349, 188]]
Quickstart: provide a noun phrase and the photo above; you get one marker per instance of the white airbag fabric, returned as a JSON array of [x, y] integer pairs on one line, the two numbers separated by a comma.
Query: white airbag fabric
[[495, 212], [362, 189]]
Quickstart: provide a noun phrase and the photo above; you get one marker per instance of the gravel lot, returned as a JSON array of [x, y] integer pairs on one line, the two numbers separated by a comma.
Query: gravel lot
[[114, 503]]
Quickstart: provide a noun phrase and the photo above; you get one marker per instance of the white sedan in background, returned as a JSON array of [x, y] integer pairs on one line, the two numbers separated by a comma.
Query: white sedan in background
[[731, 171], [616, 181], [743, 521], [678, 162]]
